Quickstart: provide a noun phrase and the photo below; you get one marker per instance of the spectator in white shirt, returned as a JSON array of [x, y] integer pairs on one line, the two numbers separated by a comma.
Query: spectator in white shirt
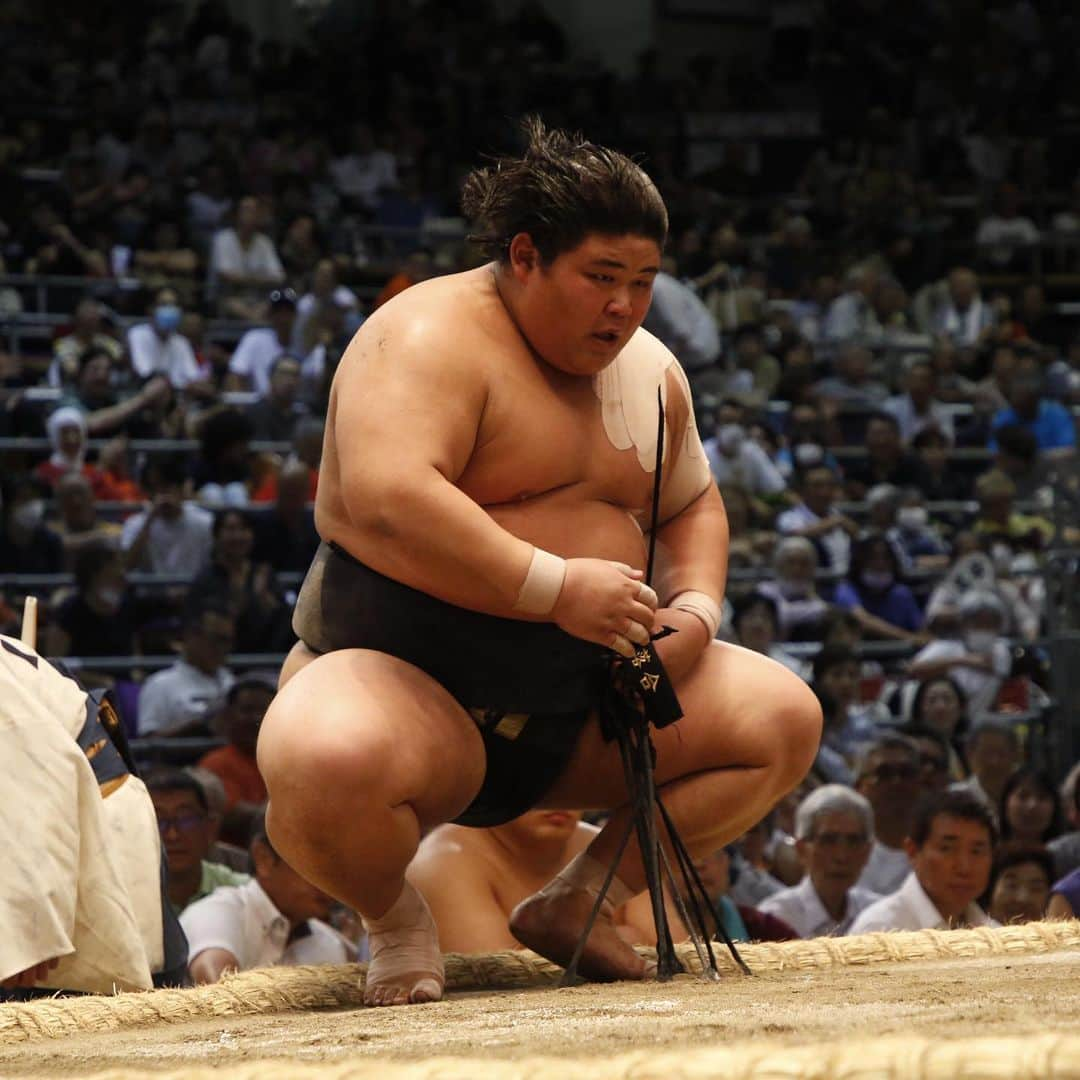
[[965, 319], [834, 827], [1005, 233], [158, 348], [680, 319], [917, 408], [365, 172], [851, 315], [325, 292], [888, 774], [795, 562], [274, 919], [814, 517], [737, 460], [243, 263], [183, 699], [260, 347], [172, 535], [951, 847]]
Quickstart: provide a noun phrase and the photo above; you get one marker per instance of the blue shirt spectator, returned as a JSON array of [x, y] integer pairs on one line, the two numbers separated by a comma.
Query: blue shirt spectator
[[1052, 425], [884, 607]]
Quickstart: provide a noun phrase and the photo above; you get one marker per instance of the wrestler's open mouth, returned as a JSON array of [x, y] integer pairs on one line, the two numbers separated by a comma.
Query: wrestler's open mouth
[[608, 337]]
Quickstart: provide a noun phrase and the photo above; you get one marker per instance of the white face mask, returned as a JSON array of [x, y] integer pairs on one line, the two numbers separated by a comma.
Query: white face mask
[[980, 641], [791, 589], [912, 518], [807, 454], [877, 579], [30, 515]]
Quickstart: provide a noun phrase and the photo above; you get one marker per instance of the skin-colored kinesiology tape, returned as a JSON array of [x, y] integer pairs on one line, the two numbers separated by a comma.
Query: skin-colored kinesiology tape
[[543, 583], [702, 605]]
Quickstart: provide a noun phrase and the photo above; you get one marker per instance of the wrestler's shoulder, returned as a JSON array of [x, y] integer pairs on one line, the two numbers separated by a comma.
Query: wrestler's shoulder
[[646, 353], [440, 311]]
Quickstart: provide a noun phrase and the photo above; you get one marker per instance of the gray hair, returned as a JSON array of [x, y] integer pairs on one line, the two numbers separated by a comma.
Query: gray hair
[[794, 545], [832, 799]]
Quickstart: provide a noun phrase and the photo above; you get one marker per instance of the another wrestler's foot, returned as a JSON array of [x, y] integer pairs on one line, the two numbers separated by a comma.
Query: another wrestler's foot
[[406, 965], [551, 922]]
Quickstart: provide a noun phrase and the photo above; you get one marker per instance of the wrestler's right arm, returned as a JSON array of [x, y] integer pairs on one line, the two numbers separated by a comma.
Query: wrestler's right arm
[[407, 411]]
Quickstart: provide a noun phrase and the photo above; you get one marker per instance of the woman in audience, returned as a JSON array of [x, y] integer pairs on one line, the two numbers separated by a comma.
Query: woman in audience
[[873, 594], [1030, 808], [940, 705], [1019, 884]]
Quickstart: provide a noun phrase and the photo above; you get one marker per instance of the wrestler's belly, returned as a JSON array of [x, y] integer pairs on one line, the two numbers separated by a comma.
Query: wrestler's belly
[[573, 526]]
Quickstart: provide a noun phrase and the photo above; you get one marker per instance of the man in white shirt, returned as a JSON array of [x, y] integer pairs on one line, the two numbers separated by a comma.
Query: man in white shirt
[[918, 408], [951, 851], [737, 460], [834, 827], [158, 348], [887, 773], [814, 517], [260, 347], [680, 319], [362, 175], [183, 698], [325, 292], [851, 315], [243, 263], [274, 919], [964, 318], [173, 535]]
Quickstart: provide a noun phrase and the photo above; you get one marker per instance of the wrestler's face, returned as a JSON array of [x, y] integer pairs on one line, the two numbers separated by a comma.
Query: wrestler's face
[[579, 310]]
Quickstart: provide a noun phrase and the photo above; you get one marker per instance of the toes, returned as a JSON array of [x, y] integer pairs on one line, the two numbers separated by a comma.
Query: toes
[[426, 990]]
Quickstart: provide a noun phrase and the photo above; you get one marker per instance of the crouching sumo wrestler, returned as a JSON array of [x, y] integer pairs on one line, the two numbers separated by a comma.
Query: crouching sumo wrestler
[[486, 479]]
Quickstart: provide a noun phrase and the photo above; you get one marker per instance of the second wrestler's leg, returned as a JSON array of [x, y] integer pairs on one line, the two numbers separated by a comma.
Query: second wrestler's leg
[[749, 734], [362, 754]]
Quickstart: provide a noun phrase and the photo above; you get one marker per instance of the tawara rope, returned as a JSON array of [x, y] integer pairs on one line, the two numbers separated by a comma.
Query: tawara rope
[[286, 989]]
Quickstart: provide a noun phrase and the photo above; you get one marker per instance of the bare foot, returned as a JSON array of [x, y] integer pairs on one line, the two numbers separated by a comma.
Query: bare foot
[[551, 921], [406, 965]]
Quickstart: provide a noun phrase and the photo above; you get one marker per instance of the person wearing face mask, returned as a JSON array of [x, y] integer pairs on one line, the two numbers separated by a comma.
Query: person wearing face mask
[[979, 660], [27, 545], [913, 538], [795, 563], [736, 460], [804, 442], [884, 607], [157, 348]]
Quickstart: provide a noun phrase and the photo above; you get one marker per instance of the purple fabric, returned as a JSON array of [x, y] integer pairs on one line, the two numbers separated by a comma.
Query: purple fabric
[[1069, 887], [896, 606]]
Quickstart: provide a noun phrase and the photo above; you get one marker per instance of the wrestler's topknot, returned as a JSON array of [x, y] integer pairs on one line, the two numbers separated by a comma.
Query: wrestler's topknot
[[562, 188]]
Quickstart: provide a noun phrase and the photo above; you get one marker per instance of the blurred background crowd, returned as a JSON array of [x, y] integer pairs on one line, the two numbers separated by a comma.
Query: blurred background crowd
[[872, 280]]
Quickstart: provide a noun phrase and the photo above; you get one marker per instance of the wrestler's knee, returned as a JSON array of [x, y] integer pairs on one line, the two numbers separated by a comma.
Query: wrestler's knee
[[795, 715]]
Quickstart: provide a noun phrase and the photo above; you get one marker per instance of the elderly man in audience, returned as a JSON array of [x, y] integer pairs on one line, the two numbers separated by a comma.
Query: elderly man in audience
[[951, 846], [834, 829], [276, 918], [887, 774], [994, 753], [793, 589], [188, 832], [918, 408], [963, 317]]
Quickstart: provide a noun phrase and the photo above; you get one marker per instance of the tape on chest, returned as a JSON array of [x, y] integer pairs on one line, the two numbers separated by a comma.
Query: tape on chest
[[627, 394]]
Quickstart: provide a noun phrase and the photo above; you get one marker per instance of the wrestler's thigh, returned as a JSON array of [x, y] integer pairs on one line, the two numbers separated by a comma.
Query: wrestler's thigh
[[371, 726], [740, 709], [299, 657]]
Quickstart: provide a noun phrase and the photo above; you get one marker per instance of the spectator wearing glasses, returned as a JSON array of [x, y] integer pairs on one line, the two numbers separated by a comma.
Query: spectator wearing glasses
[[933, 757], [260, 347], [188, 832], [950, 845], [887, 774], [834, 830]]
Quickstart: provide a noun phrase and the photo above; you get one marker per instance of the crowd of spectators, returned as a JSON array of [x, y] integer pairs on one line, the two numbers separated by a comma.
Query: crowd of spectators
[[886, 391]]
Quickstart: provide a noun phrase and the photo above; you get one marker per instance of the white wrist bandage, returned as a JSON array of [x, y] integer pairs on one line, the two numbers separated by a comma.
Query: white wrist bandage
[[702, 605], [543, 583]]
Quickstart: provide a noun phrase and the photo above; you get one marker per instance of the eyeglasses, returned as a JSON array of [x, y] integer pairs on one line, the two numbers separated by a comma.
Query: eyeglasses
[[884, 773], [283, 296], [182, 823], [852, 841]]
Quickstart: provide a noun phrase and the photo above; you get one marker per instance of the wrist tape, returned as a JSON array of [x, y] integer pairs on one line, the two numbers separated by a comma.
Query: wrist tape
[[543, 583], [702, 605]]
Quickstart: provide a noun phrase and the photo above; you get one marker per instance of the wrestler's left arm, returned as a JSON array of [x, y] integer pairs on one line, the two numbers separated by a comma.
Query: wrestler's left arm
[[692, 539]]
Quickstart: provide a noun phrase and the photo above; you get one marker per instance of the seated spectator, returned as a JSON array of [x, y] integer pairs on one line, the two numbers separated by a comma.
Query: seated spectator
[[739, 461], [940, 705], [939, 480], [325, 291], [1018, 458], [1029, 811], [950, 845], [834, 827], [285, 536], [246, 588], [742, 922], [167, 259], [964, 318], [1051, 422], [914, 538], [1065, 898], [260, 347], [756, 374], [77, 522], [1006, 236], [952, 385], [234, 764], [886, 461], [158, 348], [748, 546], [804, 442], [66, 428], [243, 264], [173, 535], [851, 724], [888, 773], [851, 316], [684, 324], [306, 452], [27, 544], [918, 408], [1066, 848], [473, 879], [852, 385], [979, 659], [188, 832], [117, 482], [208, 204], [816, 519], [752, 879], [277, 412], [934, 757], [301, 247], [222, 473], [276, 918], [87, 331], [795, 562], [991, 390], [993, 753], [184, 698], [756, 627], [107, 411], [884, 607], [363, 171], [882, 503], [1019, 884]]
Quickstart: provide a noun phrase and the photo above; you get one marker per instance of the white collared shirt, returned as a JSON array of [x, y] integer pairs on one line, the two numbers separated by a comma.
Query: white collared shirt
[[171, 356], [243, 920], [885, 870], [801, 908], [909, 908]]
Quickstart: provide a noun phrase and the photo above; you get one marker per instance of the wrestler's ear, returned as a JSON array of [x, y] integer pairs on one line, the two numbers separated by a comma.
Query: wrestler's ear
[[524, 256]]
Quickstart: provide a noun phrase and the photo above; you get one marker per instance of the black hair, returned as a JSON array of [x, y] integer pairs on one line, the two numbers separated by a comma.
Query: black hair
[[930, 434], [164, 470], [951, 803], [90, 560], [226, 512], [747, 329], [195, 609], [90, 353], [837, 616], [1017, 441], [558, 191], [223, 429], [1027, 774], [920, 731], [990, 726], [860, 554], [885, 417], [921, 692], [748, 602], [830, 656], [177, 780], [249, 682], [1009, 855]]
